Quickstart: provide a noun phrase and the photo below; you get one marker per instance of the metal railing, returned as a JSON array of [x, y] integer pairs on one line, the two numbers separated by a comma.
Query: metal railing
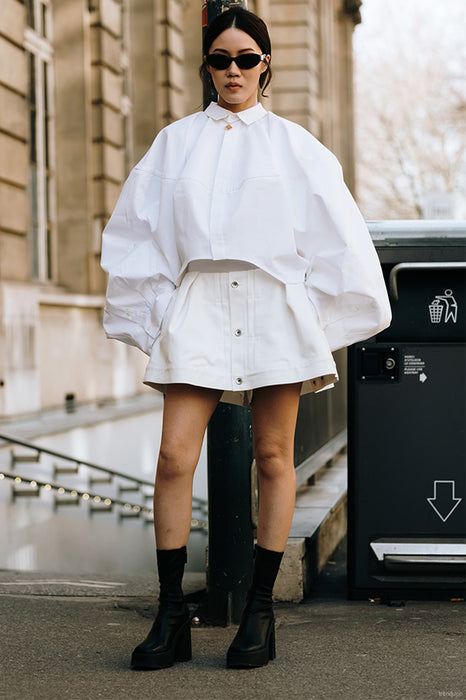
[[74, 494]]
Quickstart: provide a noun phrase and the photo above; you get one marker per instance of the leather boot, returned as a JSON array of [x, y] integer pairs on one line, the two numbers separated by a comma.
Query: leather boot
[[170, 637], [254, 643]]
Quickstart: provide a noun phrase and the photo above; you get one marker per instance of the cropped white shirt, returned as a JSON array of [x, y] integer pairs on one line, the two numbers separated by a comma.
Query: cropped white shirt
[[250, 186]]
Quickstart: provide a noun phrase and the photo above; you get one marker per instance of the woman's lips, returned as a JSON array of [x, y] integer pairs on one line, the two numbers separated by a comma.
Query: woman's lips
[[233, 86]]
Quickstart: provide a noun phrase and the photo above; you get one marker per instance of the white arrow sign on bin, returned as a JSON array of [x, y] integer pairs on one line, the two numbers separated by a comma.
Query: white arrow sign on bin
[[444, 501]]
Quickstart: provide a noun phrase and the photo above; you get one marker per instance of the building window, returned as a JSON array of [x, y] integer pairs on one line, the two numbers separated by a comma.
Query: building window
[[37, 42]]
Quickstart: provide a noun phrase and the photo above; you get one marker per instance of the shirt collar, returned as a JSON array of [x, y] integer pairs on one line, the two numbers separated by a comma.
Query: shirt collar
[[248, 116]]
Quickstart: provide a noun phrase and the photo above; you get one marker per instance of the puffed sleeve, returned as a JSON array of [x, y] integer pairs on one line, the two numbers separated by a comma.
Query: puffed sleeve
[[140, 281], [344, 278]]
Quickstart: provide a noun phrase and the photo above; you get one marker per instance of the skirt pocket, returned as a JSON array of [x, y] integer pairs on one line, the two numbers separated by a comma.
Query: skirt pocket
[[288, 329], [188, 338]]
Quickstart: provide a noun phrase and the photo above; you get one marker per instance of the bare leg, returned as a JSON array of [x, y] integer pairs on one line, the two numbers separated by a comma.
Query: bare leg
[[187, 411], [274, 413]]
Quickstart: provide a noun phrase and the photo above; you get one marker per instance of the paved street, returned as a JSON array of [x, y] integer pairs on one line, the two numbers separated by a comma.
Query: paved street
[[73, 639]]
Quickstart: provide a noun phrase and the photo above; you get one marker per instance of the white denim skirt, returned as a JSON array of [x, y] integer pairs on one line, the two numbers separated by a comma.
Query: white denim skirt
[[232, 326]]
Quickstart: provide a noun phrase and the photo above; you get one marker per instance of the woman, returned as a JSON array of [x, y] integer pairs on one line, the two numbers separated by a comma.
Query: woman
[[237, 261]]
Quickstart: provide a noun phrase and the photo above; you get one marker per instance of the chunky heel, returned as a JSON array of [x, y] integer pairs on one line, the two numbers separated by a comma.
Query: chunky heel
[[272, 650], [183, 649]]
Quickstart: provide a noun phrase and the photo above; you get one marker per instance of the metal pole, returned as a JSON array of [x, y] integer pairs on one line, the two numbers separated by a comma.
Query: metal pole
[[231, 535], [229, 460]]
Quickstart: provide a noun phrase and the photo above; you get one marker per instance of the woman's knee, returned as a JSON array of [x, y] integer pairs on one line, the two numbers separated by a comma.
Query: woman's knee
[[176, 463], [274, 460]]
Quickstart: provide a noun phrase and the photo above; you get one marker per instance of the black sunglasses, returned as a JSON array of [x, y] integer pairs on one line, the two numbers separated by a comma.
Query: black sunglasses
[[244, 61]]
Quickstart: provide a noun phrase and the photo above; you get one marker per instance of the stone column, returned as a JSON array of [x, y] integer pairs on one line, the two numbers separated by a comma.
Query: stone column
[[73, 143], [109, 63], [337, 20], [295, 44], [157, 61], [14, 204]]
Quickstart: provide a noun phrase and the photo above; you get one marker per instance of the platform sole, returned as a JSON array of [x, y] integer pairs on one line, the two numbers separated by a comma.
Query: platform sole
[[253, 659], [180, 650]]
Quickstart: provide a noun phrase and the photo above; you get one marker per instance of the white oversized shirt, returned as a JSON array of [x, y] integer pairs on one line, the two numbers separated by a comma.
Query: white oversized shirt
[[249, 186]]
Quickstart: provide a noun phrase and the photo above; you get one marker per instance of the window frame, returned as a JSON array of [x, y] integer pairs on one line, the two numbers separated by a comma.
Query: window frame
[[42, 195]]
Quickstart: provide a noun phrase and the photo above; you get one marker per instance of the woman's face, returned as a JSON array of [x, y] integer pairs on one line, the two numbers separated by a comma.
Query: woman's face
[[237, 89]]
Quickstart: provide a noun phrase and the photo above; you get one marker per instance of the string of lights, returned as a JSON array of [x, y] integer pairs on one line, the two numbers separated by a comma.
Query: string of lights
[[87, 496]]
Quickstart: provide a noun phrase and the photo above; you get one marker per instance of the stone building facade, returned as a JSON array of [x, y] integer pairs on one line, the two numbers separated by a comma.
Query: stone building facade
[[84, 87]]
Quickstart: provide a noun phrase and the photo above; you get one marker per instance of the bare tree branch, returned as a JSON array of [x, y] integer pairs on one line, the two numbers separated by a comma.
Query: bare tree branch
[[411, 103]]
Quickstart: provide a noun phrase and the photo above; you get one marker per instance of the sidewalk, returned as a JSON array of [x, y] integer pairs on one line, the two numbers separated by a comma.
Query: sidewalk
[[73, 639]]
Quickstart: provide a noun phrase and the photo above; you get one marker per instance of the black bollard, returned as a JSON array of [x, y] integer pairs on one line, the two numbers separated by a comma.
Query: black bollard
[[231, 533]]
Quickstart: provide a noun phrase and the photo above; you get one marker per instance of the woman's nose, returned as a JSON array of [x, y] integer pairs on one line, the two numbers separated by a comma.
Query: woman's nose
[[233, 69]]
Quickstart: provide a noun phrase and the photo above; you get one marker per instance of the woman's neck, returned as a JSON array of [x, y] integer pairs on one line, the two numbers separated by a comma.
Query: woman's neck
[[236, 107]]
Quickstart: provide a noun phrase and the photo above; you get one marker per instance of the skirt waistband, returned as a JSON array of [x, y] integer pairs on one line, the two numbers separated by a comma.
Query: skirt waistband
[[220, 266]]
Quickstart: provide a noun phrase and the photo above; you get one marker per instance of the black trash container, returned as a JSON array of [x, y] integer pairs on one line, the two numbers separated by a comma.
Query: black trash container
[[406, 422]]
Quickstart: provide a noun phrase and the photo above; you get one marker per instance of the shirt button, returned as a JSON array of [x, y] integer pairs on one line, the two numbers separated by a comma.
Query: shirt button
[[238, 332], [234, 284], [238, 380]]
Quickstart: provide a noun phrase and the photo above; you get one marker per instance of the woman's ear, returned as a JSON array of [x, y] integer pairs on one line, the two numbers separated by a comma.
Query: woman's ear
[[265, 64]]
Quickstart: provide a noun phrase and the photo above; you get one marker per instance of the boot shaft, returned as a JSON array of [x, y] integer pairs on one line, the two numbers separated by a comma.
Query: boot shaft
[[266, 567], [170, 565]]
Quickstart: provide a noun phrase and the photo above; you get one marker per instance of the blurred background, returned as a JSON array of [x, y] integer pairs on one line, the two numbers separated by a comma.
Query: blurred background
[[85, 85], [410, 78]]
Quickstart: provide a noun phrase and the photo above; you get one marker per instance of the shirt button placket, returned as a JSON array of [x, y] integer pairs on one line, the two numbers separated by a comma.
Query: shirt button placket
[[237, 311], [220, 193]]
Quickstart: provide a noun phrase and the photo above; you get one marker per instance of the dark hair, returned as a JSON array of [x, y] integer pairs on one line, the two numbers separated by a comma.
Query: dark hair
[[248, 22]]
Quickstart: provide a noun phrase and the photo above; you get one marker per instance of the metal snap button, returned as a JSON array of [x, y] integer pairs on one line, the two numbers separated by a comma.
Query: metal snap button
[[234, 284], [238, 380], [238, 332]]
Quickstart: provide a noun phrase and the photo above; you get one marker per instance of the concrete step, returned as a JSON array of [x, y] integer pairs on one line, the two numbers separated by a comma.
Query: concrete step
[[319, 525]]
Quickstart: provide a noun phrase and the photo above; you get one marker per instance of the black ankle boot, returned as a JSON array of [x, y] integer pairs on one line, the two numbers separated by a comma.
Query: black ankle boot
[[254, 644], [170, 637]]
